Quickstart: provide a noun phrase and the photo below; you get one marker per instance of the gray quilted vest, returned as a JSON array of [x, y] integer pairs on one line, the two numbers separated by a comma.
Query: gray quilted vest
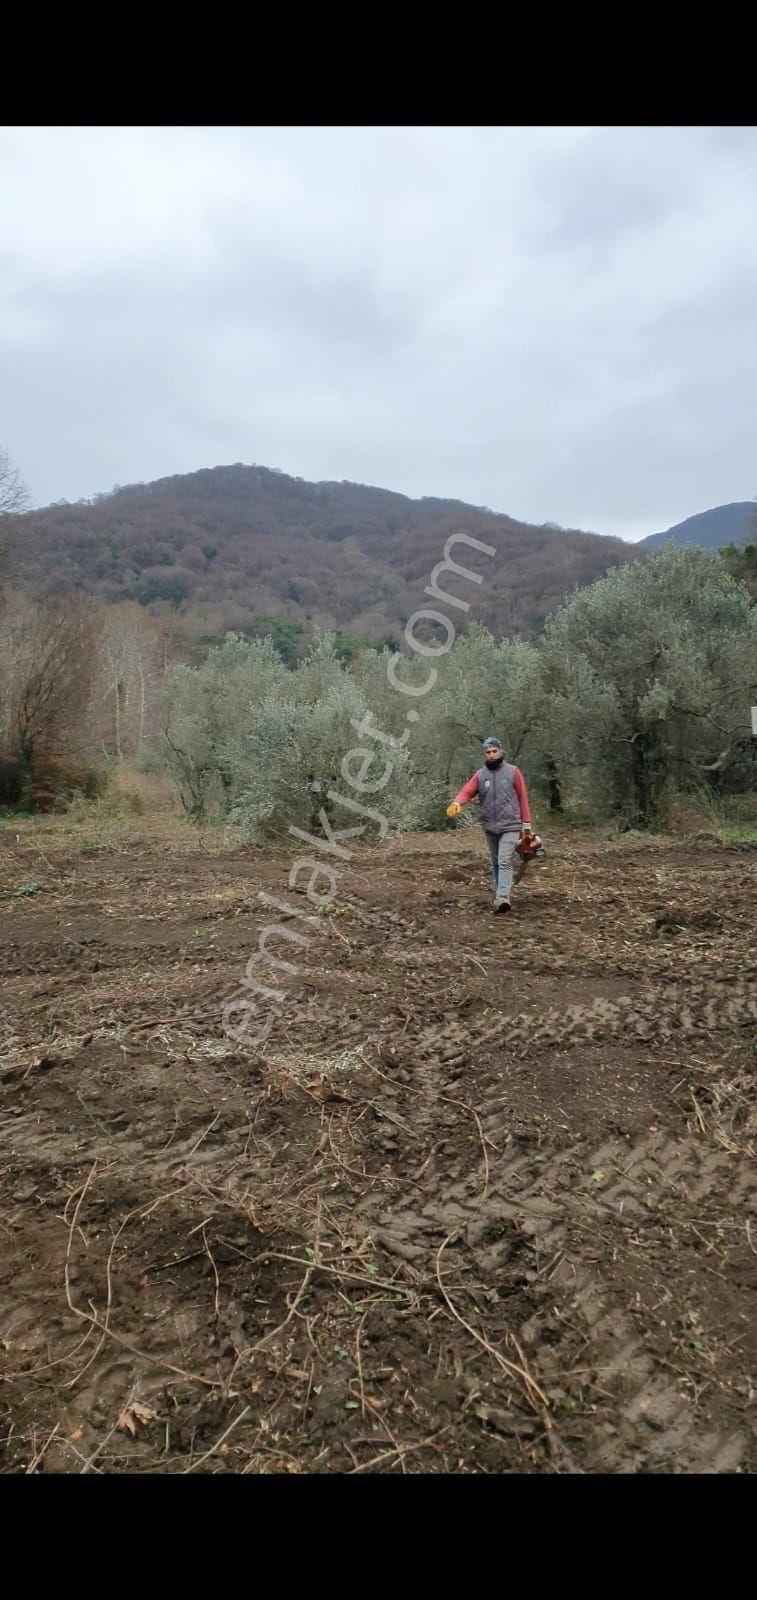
[[500, 808]]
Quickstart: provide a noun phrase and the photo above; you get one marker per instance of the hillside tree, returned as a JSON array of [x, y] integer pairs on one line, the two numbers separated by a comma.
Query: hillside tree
[[132, 654], [208, 713], [13, 498], [47, 652], [14, 495], [648, 678]]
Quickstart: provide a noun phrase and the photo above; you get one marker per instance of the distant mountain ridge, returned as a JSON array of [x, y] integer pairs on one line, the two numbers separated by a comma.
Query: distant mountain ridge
[[229, 544], [237, 546], [711, 530]]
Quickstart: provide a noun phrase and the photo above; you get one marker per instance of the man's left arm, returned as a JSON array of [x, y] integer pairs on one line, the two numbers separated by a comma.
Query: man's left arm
[[519, 785]]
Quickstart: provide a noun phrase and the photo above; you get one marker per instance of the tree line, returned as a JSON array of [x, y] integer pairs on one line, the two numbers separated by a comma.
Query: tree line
[[639, 685]]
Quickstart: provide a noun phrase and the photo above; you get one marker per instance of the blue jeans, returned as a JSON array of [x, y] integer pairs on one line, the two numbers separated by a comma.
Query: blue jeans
[[502, 855]]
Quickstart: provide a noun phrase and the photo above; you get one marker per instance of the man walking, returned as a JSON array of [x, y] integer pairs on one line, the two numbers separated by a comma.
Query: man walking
[[505, 814]]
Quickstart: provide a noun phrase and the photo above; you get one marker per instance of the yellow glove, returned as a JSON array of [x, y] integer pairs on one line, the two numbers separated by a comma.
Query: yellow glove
[[454, 810]]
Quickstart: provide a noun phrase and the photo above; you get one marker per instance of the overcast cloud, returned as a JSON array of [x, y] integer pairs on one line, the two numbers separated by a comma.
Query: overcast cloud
[[559, 323]]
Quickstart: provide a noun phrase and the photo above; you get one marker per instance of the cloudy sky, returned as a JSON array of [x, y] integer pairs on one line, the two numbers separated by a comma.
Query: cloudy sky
[[560, 323]]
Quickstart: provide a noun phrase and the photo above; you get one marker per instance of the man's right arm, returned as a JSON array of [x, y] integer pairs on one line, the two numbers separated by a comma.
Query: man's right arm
[[467, 792]]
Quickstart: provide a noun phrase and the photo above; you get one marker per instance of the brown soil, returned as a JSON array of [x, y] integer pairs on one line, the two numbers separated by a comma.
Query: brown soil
[[483, 1202]]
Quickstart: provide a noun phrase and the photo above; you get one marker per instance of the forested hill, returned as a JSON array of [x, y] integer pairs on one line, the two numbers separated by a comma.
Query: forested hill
[[226, 544]]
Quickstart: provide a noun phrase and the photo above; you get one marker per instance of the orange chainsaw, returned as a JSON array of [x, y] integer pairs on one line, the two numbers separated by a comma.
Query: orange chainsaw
[[530, 848]]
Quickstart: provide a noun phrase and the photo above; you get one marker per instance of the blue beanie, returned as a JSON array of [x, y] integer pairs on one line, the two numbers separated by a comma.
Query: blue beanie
[[491, 742]]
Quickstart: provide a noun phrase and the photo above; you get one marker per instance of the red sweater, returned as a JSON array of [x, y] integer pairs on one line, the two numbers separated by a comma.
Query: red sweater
[[471, 787]]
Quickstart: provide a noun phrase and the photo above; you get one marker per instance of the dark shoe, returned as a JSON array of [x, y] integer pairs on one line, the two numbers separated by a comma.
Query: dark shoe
[[501, 904]]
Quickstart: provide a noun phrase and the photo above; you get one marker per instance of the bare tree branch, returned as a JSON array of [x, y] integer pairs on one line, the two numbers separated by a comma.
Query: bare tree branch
[[13, 492]]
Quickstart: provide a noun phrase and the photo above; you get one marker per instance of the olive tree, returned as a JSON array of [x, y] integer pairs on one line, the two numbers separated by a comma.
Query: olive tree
[[308, 751], [209, 710], [487, 687], [290, 760], [649, 675]]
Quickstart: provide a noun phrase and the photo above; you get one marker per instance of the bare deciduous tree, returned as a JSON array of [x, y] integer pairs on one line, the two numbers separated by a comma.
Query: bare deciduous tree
[[130, 672], [13, 498], [13, 492], [46, 655]]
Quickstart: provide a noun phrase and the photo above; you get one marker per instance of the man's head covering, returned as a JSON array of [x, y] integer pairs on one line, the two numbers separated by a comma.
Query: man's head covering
[[492, 743]]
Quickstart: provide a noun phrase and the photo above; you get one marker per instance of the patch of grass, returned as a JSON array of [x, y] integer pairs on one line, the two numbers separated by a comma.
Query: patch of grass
[[738, 832], [24, 889], [90, 831]]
